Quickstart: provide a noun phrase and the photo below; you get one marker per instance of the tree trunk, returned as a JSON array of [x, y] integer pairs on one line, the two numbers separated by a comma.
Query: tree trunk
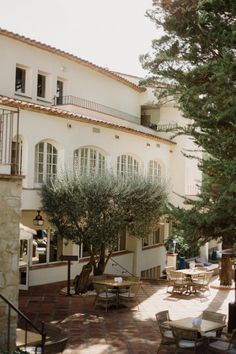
[[81, 281], [99, 268], [226, 271]]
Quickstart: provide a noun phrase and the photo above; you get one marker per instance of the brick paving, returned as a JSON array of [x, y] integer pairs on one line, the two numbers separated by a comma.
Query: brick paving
[[122, 331]]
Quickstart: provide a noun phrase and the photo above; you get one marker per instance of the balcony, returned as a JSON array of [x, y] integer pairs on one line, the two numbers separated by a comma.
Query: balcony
[[10, 146], [94, 106]]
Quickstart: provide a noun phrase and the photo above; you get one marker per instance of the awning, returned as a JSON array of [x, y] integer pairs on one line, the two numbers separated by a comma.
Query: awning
[[26, 233]]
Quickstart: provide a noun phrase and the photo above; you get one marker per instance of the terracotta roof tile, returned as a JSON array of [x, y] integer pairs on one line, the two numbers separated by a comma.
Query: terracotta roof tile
[[11, 102], [72, 57]]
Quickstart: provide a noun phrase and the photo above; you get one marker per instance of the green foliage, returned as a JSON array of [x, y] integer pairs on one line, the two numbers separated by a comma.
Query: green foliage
[[195, 64], [93, 209]]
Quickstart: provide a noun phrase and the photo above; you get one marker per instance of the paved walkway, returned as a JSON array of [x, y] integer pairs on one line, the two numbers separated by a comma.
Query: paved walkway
[[122, 331]]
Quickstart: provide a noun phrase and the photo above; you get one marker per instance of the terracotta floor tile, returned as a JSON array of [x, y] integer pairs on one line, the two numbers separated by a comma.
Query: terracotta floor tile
[[118, 331]]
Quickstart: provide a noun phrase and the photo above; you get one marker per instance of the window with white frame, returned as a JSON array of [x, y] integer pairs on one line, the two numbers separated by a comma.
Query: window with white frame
[[45, 162], [59, 94], [121, 244], [154, 171], [16, 156], [127, 166], [89, 161], [20, 80], [41, 85], [155, 238]]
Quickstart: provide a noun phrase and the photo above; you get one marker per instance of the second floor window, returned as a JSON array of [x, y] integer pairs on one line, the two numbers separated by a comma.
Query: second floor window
[[20, 80], [127, 166], [89, 161], [155, 238], [45, 162], [41, 86]]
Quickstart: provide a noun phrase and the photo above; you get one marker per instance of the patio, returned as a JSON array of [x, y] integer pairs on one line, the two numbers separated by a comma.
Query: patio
[[122, 331]]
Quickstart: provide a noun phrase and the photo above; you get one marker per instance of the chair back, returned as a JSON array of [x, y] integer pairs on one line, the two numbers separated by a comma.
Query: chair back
[[174, 275], [134, 288], [162, 316], [187, 334], [132, 278], [167, 271], [213, 316]]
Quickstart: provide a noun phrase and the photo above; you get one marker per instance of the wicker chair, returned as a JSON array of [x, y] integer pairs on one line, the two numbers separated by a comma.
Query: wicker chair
[[104, 297], [202, 283], [215, 317], [180, 282], [167, 337], [220, 345], [130, 297], [189, 341]]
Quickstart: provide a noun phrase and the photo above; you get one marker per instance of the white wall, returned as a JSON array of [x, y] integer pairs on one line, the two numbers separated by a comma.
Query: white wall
[[80, 81]]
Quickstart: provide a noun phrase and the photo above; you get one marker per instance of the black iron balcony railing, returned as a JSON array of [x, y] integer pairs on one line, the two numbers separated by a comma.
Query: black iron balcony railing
[[94, 106], [10, 145]]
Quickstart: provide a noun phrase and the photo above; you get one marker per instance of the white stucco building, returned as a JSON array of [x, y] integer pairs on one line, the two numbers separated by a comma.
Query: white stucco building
[[59, 111]]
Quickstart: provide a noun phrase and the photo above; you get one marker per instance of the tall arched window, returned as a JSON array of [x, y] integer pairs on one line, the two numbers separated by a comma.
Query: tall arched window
[[45, 162], [127, 166], [154, 171], [89, 161]]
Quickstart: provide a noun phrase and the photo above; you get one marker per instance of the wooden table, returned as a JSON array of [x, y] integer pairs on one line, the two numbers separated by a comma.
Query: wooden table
[[206, 326], [115, 284]]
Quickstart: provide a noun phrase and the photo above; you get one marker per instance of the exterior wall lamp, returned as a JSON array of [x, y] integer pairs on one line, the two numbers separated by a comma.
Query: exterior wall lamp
[[38, 220]]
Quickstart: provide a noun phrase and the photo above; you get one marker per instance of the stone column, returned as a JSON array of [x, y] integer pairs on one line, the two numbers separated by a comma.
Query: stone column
[[10, 201]]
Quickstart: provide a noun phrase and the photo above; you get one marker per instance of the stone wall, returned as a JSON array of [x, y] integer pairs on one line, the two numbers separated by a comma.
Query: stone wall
[[10, 202]]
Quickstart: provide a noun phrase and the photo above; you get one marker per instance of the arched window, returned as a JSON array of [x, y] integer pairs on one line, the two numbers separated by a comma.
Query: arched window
[[45, 162], [127, 166], [154, 171], [89, 161]]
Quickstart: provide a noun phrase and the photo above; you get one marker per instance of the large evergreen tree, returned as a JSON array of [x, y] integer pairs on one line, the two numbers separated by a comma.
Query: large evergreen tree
[[194, 62]]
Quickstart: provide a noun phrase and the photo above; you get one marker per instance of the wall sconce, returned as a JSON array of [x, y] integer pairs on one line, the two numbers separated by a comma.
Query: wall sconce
[[38, 220]]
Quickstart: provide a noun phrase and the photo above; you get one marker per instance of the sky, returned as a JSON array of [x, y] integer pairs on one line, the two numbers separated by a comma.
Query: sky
[[109, 33]]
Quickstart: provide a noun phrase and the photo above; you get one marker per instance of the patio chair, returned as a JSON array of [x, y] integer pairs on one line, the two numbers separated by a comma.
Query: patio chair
[[215, 317], [202, 283], [168, 276], [223, 345], [189, 341], [104, 297], [167, 337], [130, 297], [180, 282]]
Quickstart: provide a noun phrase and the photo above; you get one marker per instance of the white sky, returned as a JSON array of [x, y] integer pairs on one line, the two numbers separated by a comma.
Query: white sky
[[109, 33]]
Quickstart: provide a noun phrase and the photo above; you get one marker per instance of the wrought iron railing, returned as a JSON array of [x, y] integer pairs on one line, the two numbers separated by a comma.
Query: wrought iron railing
[[124, 270], [9, 140], [81, 102], [27, 324]]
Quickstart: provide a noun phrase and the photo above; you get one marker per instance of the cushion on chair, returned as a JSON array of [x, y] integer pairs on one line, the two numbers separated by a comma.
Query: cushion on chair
[[209, 334], [106, 295], [168, 334], [184, 343], [220, 345], [127, 295]]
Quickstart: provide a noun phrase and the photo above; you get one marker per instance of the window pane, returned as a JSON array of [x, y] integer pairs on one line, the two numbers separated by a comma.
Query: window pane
[[41, 87], [20, 80]]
